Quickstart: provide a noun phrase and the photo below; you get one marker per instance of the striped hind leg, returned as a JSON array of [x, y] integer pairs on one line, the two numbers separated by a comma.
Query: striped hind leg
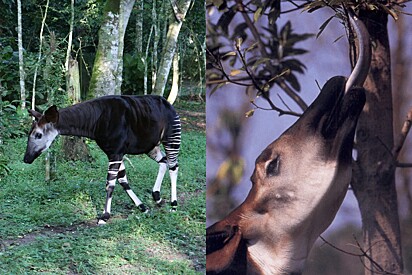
[[157, 155], [172, 147]]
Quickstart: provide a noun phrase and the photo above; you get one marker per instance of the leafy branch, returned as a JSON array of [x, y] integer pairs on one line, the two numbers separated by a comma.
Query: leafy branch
[[268, 61]]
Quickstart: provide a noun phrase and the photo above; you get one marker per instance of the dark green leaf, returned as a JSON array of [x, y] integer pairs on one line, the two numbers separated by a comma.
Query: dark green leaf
[[225, 19], [323, 26], [293, 81], [294, 65]]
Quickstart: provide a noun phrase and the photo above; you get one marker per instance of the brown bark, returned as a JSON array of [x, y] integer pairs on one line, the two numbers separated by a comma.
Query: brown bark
[[374, 173]]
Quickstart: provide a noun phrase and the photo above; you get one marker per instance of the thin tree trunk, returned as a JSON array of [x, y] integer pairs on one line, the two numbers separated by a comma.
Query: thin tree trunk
[[175, 83], [108, 64], [139, 27], [21, 63], [169, 48], [146, 57], [374, 181], [33, 100], [156, 39], [74, 148], [70, 40], [201, 63]]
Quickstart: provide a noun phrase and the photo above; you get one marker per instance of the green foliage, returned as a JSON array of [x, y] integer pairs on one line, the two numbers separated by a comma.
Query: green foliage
[[271, 55], [11, 120], [133, 71]]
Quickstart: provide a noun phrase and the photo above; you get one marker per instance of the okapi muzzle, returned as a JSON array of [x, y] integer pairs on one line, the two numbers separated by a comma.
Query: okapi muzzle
[[41, 135], [298, 185]]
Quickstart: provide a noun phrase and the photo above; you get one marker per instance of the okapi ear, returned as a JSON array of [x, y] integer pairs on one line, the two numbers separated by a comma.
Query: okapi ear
[[35, 114], [51, 114], [225, 250]]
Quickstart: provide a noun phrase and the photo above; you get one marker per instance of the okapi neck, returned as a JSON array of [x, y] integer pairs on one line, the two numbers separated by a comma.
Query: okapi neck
[[77, 120]]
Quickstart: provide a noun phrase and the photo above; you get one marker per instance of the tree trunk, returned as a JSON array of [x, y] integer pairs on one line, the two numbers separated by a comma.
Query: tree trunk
[[402, 102], [108, 64], [21, 63], [146, 57], [169, 48], [70, 40], [156, 39], [139, 27], [374, 181], [74, 148], [33, 99], [73, 81], [175, 83]]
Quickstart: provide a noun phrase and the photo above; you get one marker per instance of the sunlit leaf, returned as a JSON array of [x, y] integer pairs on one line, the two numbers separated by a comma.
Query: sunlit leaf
[[239, 42], [233, 53], [250, 113], [235, 72], [257, 14], [252, 47]]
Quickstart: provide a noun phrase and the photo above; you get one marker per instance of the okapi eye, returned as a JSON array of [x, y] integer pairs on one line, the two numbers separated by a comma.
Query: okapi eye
[[272, 169], [37, 135]]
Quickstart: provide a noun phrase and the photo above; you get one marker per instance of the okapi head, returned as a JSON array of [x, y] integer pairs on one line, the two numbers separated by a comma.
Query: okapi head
[[298, 184], [42, 133]]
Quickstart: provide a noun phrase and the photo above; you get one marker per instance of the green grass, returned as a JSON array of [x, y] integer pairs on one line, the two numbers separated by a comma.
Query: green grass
[[50, 227]]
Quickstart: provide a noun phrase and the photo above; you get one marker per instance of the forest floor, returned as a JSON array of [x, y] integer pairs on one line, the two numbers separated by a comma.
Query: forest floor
[[50, 227]]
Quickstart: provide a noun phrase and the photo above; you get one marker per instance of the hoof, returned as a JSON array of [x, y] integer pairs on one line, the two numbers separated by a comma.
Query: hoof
[[156, 197], [174, 206], [143, 208], [103, 218], [100, 222]]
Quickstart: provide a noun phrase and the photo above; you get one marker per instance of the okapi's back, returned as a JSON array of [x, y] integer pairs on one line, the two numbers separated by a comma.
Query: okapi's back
[[132, 124]]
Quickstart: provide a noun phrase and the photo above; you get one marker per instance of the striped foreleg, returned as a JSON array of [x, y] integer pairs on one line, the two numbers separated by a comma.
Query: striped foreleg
[[122, 178], [157, 155], [112, 172], [172, 147]]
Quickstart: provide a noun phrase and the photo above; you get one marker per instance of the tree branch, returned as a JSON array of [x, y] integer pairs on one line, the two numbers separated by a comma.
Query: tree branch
[[361, 256]]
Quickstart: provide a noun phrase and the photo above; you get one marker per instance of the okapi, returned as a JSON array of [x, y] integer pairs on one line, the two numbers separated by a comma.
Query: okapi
[[298, 184], [120, 125]]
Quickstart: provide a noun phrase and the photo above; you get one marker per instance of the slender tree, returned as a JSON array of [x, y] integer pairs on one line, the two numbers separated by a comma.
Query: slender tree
[[39, 56], [170, 46], [139, 26], [156, 39], [21, 63]]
